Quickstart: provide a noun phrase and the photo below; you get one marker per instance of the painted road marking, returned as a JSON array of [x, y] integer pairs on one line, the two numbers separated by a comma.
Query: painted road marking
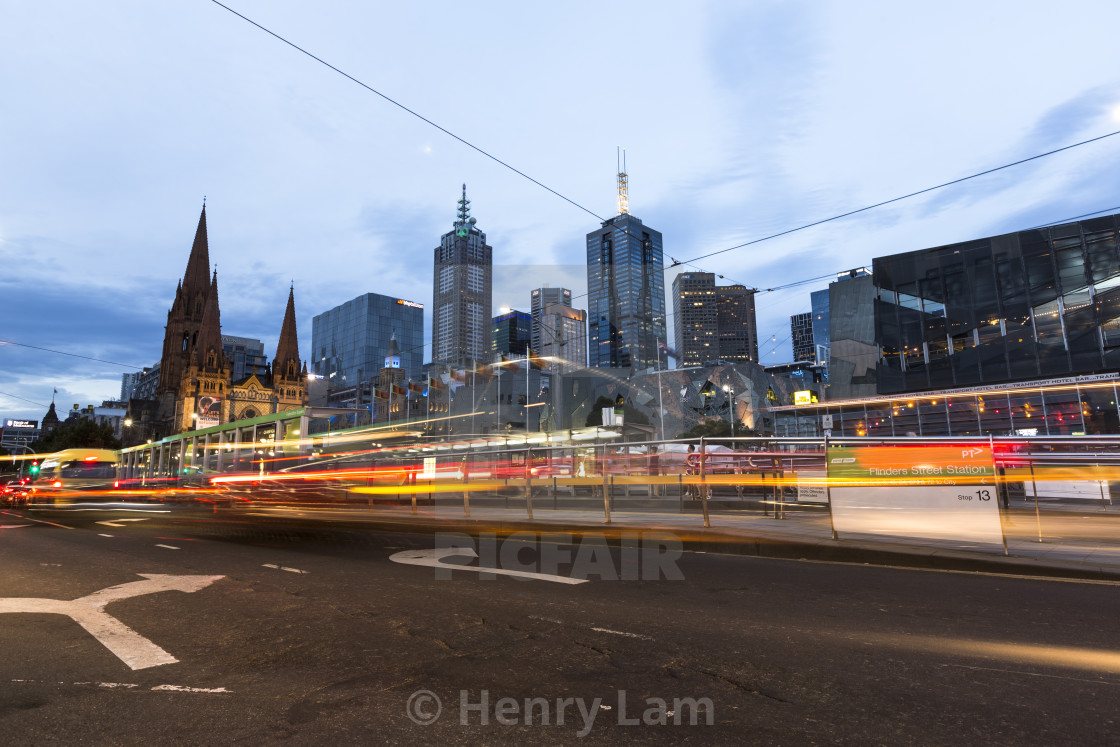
[[434, 558], [283, 568], [133, 686], [13, 526], [89, 611], [620, 632], [114, 522], [104, 535], [169, 547], [37, 521]]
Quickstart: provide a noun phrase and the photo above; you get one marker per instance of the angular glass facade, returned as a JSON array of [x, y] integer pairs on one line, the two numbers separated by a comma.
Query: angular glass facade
[[1077, 406], [1037, 303], [349, 343]]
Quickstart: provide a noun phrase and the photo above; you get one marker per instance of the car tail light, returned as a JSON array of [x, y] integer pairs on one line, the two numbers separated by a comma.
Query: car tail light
[[56, 484]]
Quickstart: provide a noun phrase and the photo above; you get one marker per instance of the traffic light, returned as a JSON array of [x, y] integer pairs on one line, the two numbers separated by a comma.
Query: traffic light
[[34, 467]]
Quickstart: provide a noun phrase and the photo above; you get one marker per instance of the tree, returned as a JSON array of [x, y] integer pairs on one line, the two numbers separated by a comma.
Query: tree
[[79, 434]]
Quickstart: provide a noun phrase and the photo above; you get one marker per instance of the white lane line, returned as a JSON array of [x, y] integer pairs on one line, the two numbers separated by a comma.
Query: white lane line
[[184, 689], [620, 632], [169, 547], [282, 568], [89, 611], [104, 535], [116, 522], [133, 686], [37, 521], [13, 526], [434, 559]]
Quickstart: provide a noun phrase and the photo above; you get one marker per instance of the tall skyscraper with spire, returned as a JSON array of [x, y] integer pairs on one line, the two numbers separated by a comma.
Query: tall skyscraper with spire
[[461, 290], [625, 291]]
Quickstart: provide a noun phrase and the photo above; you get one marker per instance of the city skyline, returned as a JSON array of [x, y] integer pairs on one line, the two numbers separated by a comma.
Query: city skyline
[[768, 117]]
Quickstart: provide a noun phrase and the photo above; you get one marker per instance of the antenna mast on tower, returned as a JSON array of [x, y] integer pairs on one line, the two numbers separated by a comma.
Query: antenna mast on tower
[[623, 184]]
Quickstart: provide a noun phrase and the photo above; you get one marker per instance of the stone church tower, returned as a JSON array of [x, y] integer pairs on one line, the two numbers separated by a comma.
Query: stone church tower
[[184, 322], [289, 375], [205, 381]]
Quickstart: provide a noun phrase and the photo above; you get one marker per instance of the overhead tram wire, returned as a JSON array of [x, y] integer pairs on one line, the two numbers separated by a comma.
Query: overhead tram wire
[[599, 217], [419, 116], [897, 199], [72, 355], [25, 399]]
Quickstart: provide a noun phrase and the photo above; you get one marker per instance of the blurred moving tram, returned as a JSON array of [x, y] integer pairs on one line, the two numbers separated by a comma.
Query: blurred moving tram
[[73, 475]]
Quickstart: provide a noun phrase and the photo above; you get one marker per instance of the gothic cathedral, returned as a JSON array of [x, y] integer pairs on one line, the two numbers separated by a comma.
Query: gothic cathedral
[[196, 389]]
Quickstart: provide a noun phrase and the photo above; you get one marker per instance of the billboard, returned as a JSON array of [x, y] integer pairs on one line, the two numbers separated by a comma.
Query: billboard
[[21, 424], [209, 411]]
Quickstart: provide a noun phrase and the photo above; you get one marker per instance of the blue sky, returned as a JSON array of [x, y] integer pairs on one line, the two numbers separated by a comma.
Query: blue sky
[[739, 119]]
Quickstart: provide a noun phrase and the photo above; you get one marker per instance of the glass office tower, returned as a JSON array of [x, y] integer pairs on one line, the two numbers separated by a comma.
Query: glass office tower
[[1037, 303], [349, 343], [626, 295]]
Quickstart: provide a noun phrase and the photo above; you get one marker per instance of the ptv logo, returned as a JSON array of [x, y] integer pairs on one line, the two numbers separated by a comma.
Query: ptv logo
[[966, 453]]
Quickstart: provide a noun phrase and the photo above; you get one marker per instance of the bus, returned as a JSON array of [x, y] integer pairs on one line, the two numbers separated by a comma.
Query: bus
[[75, 473]]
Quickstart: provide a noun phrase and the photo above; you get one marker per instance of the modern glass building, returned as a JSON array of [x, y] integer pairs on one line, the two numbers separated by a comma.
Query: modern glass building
[[510, 334], [563, 338], [1033, 304], [626, 295], [1071, 406], [539, 299], [246, 356], [349, 343], [1009, 335], [462, 285], [801, 334]]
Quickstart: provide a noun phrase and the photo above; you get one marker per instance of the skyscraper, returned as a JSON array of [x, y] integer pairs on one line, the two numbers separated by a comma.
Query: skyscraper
[[540, 298], [510, 334], [563, 337], [462, 282], [713, 323], [801, 331], [626, 292], [738, 331], [695, 318], [349, 342]]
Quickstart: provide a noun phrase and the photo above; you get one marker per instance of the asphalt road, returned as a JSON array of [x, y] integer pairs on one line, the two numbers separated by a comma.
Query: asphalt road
[[313, 635]]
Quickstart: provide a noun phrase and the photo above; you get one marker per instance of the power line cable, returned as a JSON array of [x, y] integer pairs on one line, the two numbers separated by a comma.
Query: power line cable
[[72, 355], [414, 113], [897, 199], [25, 399]]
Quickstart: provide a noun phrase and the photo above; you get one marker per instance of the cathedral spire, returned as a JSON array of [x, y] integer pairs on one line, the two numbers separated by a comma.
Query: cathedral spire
[[198, 266], [287, 349], [210, 331]]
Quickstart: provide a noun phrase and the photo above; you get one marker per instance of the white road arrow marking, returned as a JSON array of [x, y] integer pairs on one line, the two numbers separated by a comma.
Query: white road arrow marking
[[114, 522], [434, 558], [129, 646]]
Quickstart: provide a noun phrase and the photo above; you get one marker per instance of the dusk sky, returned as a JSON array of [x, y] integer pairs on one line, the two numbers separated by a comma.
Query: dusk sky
[[739, 119]]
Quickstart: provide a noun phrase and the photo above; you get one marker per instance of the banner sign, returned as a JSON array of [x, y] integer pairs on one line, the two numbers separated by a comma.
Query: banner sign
[[925, 492], [209, 411]]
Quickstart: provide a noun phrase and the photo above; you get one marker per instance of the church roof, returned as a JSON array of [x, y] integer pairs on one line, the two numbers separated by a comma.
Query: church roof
[[196, 279], [288, 346], [51, 418], [210, 332]]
